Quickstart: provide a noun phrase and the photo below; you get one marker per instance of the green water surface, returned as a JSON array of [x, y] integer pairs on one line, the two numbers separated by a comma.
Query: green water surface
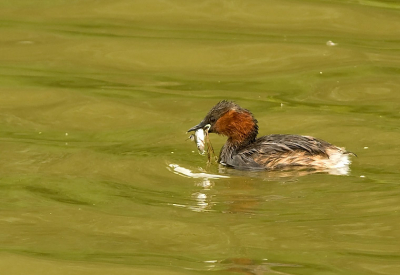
[[95, 101]]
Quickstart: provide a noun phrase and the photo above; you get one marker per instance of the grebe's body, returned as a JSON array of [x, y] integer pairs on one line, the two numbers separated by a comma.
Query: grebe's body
[[243, 150]]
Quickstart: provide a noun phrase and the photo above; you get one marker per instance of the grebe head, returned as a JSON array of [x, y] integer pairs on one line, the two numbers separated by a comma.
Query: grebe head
[[229, 119]]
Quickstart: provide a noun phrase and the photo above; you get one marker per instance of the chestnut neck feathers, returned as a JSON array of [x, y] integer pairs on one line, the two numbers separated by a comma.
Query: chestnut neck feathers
[[236, 123]]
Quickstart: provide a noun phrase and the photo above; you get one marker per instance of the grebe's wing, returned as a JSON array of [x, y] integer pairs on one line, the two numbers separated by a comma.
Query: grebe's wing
[[280, 151], [280, 144]]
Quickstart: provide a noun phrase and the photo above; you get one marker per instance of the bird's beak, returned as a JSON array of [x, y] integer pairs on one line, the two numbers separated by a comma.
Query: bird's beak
[[198, 126]]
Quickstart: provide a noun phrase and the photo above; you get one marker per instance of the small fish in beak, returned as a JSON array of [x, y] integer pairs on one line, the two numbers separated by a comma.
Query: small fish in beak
[[198, 138]]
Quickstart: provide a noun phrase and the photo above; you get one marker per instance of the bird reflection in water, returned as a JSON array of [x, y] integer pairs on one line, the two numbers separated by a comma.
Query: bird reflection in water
[[249, 266], [204, 180], [239, 202]]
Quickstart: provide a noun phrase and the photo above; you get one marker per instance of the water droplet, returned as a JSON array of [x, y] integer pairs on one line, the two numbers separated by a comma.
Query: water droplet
[[330, 43]]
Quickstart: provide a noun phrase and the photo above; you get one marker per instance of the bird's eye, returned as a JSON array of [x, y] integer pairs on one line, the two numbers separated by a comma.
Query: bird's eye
[[212, 119]]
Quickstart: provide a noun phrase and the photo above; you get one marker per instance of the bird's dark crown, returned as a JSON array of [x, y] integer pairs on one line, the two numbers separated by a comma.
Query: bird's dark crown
[[229, 119]]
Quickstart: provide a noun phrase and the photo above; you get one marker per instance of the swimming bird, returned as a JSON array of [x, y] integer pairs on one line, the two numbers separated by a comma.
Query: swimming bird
[[244, 151]]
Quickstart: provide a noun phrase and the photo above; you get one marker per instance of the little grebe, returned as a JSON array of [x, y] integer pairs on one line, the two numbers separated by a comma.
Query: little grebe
[[243, 150]]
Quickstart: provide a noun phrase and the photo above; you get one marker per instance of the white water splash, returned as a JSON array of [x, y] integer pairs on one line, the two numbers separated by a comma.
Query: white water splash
[[175, 168]]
